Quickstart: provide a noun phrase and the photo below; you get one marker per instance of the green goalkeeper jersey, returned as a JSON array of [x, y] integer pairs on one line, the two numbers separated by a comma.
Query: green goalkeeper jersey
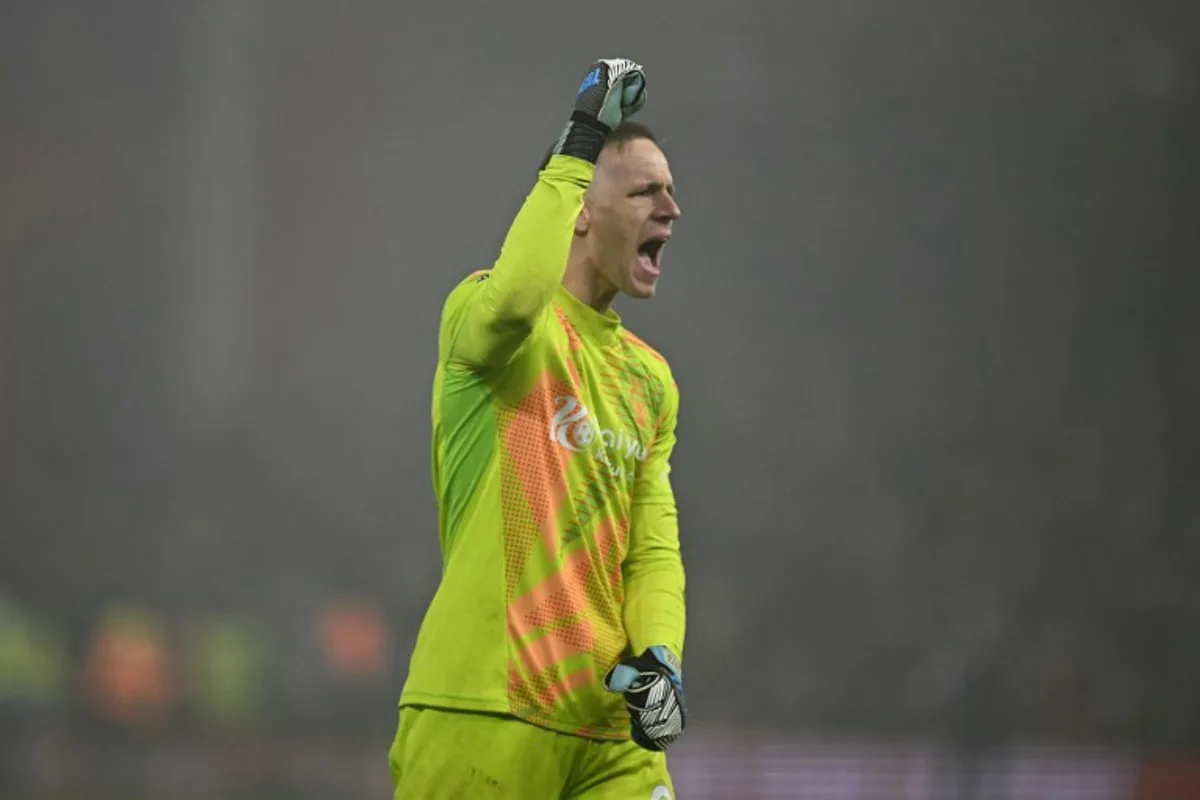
[[553, 427]]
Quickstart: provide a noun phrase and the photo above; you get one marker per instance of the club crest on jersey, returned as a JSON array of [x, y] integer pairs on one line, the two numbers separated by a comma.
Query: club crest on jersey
[[573, 428]]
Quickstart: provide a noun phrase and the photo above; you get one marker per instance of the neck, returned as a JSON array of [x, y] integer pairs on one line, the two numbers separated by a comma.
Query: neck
[[588, 285]]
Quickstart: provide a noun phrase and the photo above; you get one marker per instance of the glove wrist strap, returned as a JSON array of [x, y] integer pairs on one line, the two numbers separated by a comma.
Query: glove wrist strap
[[583, 137]]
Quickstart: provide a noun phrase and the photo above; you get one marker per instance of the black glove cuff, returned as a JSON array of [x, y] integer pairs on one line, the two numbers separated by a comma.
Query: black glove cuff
[[583, 137]]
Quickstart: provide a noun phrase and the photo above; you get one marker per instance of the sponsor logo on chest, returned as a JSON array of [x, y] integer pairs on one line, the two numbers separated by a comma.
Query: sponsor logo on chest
[[574, 428]]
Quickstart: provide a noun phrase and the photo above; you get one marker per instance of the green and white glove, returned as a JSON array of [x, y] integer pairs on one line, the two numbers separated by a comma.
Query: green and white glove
[[613, 90]]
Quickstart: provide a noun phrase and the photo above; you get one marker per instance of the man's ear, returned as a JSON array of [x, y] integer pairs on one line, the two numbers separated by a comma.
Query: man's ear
[[584, 220]]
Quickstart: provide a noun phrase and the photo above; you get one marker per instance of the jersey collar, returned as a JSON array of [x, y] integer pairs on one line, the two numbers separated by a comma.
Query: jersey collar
[[588, 322]]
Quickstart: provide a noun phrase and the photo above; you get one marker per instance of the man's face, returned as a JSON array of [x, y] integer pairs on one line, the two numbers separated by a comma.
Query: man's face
[[628, 213]]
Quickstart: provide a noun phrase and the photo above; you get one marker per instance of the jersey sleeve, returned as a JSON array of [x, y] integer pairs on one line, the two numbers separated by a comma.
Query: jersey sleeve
[[488, 320], [653, 569]]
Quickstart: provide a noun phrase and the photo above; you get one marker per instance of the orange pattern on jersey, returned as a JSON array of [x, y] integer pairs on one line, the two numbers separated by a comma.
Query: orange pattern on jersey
[[574, 344], [537, 471], [548, 696], [547, 626], [573, 340], [544, 653], [557, 597], [544, 691], [566, 627], [640, 402], [534, 488], [610, 539]]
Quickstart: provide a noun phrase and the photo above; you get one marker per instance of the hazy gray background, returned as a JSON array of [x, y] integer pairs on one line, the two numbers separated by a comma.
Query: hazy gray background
[[933, 308]]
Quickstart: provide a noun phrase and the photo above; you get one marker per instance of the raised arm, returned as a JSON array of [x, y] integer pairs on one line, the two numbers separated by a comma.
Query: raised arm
[[506, 305], [502, 308]]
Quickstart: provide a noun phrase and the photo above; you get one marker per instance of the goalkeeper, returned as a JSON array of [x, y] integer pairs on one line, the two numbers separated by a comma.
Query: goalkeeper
[[547, 665]]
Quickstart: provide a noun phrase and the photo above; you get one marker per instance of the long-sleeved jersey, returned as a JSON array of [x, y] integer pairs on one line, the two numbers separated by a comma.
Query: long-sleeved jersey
[[553, 427]]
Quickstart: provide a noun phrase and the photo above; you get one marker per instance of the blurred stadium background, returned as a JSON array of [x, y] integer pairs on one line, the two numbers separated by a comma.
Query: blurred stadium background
[[933, 307]]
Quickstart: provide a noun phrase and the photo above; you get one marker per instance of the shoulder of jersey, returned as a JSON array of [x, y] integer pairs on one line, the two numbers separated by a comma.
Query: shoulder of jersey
[[473, 278], [465, 283], [653, 361], [648, 354]]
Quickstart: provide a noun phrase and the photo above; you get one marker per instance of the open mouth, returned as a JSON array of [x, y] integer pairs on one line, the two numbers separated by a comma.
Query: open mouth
[[651, 251]]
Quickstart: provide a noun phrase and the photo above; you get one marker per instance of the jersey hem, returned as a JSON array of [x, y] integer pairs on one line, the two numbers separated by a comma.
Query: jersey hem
[[455, 702], [484, 705]]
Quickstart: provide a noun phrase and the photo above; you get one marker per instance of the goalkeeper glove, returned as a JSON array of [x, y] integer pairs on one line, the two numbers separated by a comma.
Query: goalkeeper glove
[[613, 91], [653, 688]]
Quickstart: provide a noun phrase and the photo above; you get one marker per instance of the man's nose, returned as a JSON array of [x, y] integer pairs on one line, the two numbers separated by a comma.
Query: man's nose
[[669, 210]]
